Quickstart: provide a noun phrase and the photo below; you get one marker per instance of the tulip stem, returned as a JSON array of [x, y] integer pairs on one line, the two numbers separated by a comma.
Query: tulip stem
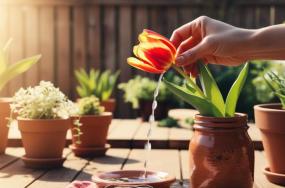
[[191, 82]]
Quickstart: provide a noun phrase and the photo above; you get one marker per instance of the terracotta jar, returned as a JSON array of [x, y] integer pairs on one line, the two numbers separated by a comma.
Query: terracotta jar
[[94, 134], [43, 139], [4, 114], [109, 105], [221, 153], [270, 119]]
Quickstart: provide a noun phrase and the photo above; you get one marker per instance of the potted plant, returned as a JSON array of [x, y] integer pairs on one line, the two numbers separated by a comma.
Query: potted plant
[[139, 92], [89, 139], [7, 73], [220, 145], [270, 119], [43, 120], [100, 84]]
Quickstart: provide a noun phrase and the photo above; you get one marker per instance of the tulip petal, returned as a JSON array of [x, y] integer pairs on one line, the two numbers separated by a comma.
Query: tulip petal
[[155, 55], [149, 36], [139, 64]]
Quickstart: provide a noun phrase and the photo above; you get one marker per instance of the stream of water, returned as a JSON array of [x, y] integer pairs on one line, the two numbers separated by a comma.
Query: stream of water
[[151, 122]]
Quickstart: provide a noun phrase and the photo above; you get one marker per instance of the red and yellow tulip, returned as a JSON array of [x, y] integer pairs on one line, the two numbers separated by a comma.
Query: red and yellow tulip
[[154, 53]]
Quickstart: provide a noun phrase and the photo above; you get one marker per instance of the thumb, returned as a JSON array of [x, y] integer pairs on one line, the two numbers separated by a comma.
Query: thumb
[[192, 55]]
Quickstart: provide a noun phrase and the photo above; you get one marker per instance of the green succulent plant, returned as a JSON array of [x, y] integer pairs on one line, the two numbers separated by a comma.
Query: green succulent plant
[[10, 71], [277, 84], [90, 106], [100, 84]]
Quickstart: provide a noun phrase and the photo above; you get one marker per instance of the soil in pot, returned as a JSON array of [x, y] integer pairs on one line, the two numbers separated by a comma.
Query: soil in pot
[[161, 111], [221, 153], [109, 105], [43, 141], [4, 129], [270, 119], [94, 135]]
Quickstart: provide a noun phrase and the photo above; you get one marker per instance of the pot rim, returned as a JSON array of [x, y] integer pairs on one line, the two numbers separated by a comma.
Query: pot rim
[[45, 120], [268, 108], [110, 100], [237, 117], [104, 114]]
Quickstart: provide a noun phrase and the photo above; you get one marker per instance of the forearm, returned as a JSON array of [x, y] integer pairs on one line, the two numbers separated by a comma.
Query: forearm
[[266, 43]]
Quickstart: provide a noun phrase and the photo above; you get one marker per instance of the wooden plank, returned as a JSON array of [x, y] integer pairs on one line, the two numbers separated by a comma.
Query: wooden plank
[[263, 16], [179, 137], [125, 46], [110, 38], [123, 135], [4, 37], [16, 48], [279, 14], [113, 160], [31, 26], [184, 165], [47, 64], [94, 37], [156, 162], [63, 46], [172, 17], [159, 136], [11, 155], [58, 178], [259, 177]]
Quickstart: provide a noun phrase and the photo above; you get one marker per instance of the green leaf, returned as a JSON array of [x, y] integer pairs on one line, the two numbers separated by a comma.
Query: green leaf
[[234, 92], [211, 88], [204, 106], [17, 68], [3, 61]]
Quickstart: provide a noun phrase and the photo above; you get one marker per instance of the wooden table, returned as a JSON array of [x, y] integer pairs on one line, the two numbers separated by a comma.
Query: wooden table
[[126, 137], [13, 174]]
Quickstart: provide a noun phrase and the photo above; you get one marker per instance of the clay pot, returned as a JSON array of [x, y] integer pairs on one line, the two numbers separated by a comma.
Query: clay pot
[[221, 153], [43, 140], [109, 105], [270, 119], [4, 129], [94, 135], [145, 106]]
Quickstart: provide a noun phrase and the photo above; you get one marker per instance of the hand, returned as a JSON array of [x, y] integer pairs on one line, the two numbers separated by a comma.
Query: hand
[[210, 40]]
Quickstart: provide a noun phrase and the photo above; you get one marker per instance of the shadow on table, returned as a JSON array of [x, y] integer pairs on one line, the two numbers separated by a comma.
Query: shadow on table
[[109, 159]]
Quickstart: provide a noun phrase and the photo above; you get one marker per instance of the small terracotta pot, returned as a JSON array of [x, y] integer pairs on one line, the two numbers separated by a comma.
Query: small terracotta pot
[[109, 105], [94, 133], [43, 139], [4, 129], [270, 119], [145, 106], [221, 153]]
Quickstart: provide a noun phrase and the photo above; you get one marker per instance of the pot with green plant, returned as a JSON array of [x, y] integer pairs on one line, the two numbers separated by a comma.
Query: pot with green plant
[[100, 84], [7, 73], [139, 92], [43, 115], [89, 139], [270, 119], [220, 145]]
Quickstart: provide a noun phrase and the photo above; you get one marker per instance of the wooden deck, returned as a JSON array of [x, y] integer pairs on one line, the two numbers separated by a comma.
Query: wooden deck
[[13, 173], [131, 133]]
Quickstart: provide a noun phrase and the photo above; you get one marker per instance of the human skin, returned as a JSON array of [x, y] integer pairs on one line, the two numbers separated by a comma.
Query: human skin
[[216, 42]]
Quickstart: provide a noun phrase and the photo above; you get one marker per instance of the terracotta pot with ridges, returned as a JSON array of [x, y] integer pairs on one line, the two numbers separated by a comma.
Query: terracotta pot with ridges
[[109, 105], [94, 135], [4, 129], [270, 119], [43, 140], [221, 147]]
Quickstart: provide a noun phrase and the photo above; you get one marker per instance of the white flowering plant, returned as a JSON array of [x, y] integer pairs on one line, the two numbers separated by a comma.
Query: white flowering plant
[[44, 101]]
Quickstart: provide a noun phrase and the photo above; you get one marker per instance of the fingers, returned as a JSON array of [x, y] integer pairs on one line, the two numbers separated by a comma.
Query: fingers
[[193, 54], [181, 34]]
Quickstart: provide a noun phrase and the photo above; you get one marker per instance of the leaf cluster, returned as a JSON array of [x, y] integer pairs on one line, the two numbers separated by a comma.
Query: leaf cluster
[[95, 82]]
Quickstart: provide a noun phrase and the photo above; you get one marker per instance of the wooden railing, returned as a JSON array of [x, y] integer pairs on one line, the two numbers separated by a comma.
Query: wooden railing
[[100, 33]]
